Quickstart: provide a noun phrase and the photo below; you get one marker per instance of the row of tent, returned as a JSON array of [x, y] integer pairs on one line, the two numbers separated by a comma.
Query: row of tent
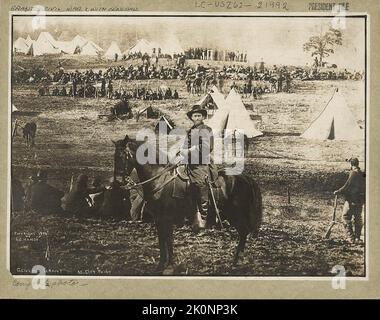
[[334, 122], [46, 44]]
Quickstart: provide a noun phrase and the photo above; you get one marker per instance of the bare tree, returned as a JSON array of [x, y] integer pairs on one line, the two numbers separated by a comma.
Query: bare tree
[[322, 46]]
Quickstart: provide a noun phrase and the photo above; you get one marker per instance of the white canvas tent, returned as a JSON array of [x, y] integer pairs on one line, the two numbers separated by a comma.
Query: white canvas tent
[[165, 122], [79, 41], [144, 46], [20, 46], [28, 40], [91, 49], [45, 44], [335, 122], [14, 109], [112, 50], [234, 116], [213, 96]]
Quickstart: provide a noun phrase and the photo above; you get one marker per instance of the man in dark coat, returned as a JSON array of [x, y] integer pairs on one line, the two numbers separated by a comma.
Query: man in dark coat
[[45, 199], [196, 151], [354, 194]]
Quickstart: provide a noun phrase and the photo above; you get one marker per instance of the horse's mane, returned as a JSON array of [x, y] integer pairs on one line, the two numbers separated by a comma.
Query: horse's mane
[[168, 155]]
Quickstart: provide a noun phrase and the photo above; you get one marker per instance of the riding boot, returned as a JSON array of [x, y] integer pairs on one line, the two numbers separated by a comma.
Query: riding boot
[[200, 217], [198, 222], [203, 212], [349, 231]]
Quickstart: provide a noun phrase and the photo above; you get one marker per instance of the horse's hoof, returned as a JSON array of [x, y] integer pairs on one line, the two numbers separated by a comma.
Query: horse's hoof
[[160, 267], [168, 271]]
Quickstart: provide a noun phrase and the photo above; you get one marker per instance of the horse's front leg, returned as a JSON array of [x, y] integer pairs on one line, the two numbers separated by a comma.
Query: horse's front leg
[[240, 247], [170, 245], [163, 246]]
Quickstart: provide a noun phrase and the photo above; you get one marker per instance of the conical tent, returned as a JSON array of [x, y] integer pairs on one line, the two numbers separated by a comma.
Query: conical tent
[[234, 116], [143, 46], [98, 48], [20, 46], [14, 109], [212, 96], [45, 44], [28, 40], [112, 50], [79, 41], [90, 49], [166, 123], [335, 122]]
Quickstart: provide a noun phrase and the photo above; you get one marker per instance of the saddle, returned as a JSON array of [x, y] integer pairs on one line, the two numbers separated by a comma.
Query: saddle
[[182, 182]]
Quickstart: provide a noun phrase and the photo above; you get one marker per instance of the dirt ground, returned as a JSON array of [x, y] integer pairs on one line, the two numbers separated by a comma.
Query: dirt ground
[[72, 140]]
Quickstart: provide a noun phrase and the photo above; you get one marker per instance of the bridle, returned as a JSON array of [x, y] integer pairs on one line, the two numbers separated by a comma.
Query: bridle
[[169, 167]]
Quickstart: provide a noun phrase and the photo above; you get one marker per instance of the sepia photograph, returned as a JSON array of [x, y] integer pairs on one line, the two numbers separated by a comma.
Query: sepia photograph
[[192, 145]]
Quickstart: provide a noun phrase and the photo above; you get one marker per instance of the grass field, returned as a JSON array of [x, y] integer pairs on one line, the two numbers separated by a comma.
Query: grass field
[[72, 140]]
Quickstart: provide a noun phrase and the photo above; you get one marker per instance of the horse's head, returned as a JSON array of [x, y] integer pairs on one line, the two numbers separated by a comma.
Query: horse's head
[[125, 156]]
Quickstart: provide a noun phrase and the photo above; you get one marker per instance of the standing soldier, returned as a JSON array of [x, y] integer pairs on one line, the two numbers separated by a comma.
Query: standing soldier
[[110, 89], [220, 82], [196, 151], [279, 81], [354, 193]]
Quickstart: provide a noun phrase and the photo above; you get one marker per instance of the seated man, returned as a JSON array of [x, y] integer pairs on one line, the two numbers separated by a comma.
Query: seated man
[[55, 91], [45, 199], [196, 151], [63, 92]]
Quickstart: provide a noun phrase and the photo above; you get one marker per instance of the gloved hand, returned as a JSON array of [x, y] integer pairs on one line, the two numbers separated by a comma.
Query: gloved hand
[[185, 152]]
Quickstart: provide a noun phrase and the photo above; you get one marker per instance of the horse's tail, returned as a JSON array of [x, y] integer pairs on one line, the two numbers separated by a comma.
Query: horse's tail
[[255, 205]]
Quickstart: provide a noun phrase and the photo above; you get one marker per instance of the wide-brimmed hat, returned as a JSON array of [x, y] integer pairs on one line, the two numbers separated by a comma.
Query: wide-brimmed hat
[[196, 109], [353, 161]]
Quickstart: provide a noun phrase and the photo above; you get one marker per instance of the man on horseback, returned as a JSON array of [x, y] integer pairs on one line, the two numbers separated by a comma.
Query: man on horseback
[[196, 151]]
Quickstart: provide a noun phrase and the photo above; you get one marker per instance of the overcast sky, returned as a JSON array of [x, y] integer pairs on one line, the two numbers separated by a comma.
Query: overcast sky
[[276, 40]]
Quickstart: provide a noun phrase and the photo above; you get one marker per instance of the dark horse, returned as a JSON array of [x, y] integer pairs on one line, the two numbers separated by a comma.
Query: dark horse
[[241, 202], [29, 133]]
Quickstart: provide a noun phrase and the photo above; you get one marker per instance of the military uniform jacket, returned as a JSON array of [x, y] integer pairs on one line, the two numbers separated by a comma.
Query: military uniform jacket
[[201, 138], [354, 188]]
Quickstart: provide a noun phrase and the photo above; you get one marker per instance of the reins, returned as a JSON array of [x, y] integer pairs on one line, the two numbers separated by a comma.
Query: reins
[[166, 169]]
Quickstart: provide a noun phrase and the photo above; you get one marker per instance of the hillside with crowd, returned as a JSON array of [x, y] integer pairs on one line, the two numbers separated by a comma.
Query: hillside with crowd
[[249, 80]]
